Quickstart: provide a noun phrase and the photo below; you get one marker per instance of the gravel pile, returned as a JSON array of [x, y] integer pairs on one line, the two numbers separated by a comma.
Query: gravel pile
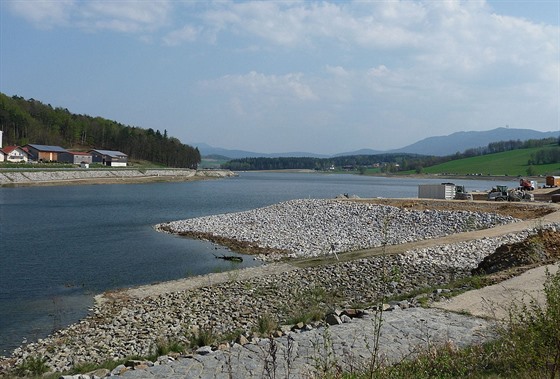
[[310, 228]]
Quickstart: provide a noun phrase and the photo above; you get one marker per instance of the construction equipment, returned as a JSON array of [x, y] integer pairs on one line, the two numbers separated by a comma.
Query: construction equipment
[[462, 194], [498, 193], [502, 193], [527, 185]]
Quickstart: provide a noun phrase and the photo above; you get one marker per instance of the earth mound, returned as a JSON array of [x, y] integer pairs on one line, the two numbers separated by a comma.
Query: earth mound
[[540, 248]]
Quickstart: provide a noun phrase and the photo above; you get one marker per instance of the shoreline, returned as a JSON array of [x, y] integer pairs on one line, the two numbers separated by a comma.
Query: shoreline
[[11, 178], [131, 321], [70, 177], [414, 176]]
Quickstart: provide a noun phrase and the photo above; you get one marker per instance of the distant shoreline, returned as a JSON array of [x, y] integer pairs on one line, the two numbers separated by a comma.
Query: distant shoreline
[[70, 177], [417, 176]]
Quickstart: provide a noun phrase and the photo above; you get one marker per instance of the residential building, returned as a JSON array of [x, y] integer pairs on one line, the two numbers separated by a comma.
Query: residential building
[[14, 154]]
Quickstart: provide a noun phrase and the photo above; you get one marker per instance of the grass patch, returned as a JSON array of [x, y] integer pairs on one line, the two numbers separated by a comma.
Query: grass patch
[[512, 163], [266, 324], [311, 305], [32, 366], [204, 337]]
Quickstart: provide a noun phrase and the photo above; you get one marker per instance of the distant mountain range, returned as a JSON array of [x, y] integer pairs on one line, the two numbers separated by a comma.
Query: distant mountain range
[[206, 150], [440, 145], [461, 141]]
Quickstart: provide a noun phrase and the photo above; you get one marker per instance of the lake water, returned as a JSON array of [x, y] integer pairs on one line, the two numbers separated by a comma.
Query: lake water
[[59, 246]]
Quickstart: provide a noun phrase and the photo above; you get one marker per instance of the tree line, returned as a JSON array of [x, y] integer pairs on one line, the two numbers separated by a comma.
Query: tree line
[[398, 161], [291, 163], [32, 122]]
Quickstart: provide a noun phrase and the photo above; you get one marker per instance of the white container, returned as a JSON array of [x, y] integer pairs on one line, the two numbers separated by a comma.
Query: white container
[[436, 191]]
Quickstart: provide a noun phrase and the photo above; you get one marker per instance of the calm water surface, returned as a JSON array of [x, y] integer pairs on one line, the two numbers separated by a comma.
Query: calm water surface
[[59, 246]]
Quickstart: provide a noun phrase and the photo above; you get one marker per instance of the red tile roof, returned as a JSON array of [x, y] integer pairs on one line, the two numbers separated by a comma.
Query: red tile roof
[[9, 149]]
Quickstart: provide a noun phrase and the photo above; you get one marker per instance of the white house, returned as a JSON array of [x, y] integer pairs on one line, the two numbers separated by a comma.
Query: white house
[[15, 154]]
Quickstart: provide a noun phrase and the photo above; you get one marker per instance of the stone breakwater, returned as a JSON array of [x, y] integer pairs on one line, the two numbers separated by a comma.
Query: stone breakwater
[[133, 326], [310, 228], [37, 176]]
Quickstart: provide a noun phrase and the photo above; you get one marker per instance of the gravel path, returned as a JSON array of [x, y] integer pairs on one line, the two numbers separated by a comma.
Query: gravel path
[[496, 300]]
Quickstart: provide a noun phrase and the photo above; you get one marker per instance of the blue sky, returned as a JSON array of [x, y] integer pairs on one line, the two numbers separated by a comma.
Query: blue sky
[[270, 76]]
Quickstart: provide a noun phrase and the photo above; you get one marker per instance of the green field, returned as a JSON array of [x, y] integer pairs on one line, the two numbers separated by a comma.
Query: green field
[[512, 163], [211, 163]]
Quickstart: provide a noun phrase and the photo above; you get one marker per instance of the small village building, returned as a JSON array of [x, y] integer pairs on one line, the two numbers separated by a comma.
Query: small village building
[[44, 153], [14, 154], [109, 158], [75, 157]]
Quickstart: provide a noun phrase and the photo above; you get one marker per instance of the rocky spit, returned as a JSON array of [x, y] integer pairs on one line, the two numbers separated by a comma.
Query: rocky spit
[[32, 176], [311, 227], [129, 326]]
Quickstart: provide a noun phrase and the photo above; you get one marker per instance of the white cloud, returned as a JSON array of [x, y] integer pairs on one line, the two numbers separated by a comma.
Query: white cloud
[[43, 13], [127, 16], [188, 33], [389, 63], [271, 21], [290, 86]]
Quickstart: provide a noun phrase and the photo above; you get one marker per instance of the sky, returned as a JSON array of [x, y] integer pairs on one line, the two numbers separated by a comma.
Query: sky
[[322, 77]]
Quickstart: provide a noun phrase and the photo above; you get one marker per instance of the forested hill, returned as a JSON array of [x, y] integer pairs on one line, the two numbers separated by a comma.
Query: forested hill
[[30, 121]]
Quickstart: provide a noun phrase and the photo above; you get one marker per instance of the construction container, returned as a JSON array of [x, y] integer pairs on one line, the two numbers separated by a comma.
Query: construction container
[[436, 191], [552, 181]]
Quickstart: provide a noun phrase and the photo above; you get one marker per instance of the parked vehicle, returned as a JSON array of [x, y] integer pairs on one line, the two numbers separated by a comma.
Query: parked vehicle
[[552, 181]]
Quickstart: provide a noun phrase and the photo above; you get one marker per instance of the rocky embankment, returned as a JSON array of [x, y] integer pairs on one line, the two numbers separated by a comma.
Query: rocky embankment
[[23, 177], [134, 326], [311, 227]]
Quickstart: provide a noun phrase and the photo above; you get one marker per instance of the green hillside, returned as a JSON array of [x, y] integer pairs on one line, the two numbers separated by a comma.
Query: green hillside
[[32, 122], [512, 163]]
